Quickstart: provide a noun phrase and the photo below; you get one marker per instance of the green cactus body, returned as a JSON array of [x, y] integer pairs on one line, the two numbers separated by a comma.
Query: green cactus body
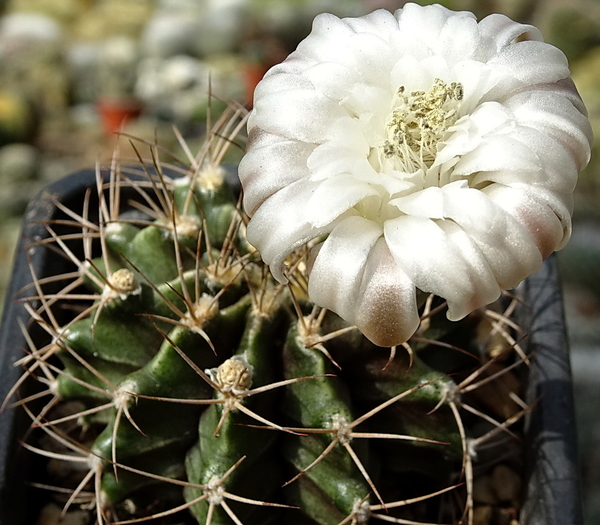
[[214, 205], [128, 340], [319, 403], [182, 344], [225, 437]]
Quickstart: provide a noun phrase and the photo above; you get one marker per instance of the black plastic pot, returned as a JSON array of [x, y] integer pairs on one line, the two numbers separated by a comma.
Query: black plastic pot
[[552, 491], [552, 488]]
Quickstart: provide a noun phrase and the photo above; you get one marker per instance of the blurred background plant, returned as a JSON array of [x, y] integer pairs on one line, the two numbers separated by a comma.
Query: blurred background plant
[[63, 63]]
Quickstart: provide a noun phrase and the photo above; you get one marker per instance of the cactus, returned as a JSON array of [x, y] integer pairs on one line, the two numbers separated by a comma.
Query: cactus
[[195, 388], [191, 379]]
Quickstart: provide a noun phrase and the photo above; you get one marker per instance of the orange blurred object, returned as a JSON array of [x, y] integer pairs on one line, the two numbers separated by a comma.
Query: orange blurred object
[[115, 113]]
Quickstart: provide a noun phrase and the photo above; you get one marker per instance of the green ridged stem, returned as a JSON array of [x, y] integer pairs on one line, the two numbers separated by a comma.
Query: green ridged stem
[[315, 403], [130, 340], [214, 454]]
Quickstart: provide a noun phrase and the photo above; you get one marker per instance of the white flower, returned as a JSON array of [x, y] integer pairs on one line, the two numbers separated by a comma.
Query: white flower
[[433, 152]]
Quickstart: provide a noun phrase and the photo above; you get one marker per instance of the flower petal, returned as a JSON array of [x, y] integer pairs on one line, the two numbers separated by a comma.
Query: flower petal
[[554, 115], [303, 115], [327, 39], [426, 204], [272, 163], [369, 55], [332, 79], [335, 41], [545, 215], [505, 243], [481, 84], [454, 49], [355, 275], [362, 100], [424, 24], [335, 196], [331, 159], [277, 226], [483, 281], [276, 82], [430, 259], [439, 266], [467, 134], [380, 22], [490, 155], [498, 31], [408, 68], [337, 269], [387, 311], [558, 170], [532, 62]]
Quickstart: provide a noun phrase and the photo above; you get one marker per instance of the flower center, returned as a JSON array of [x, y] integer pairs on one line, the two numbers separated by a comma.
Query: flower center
[[418, 122]]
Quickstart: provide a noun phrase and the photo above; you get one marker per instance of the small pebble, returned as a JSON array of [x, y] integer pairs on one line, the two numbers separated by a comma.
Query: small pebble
[[482, 493], [482, 515], [506, 484], [51, 515]]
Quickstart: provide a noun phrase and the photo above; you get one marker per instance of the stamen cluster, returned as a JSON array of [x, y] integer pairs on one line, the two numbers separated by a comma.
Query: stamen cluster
[[419, 122]]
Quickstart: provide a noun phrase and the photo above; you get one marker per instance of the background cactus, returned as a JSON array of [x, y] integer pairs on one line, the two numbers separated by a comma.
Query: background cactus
[[183, 377]]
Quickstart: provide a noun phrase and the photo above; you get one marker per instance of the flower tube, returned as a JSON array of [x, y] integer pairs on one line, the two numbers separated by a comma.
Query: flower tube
[[430, 151]]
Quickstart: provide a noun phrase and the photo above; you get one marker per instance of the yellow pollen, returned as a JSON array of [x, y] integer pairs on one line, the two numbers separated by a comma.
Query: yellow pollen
[[418, 122]]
